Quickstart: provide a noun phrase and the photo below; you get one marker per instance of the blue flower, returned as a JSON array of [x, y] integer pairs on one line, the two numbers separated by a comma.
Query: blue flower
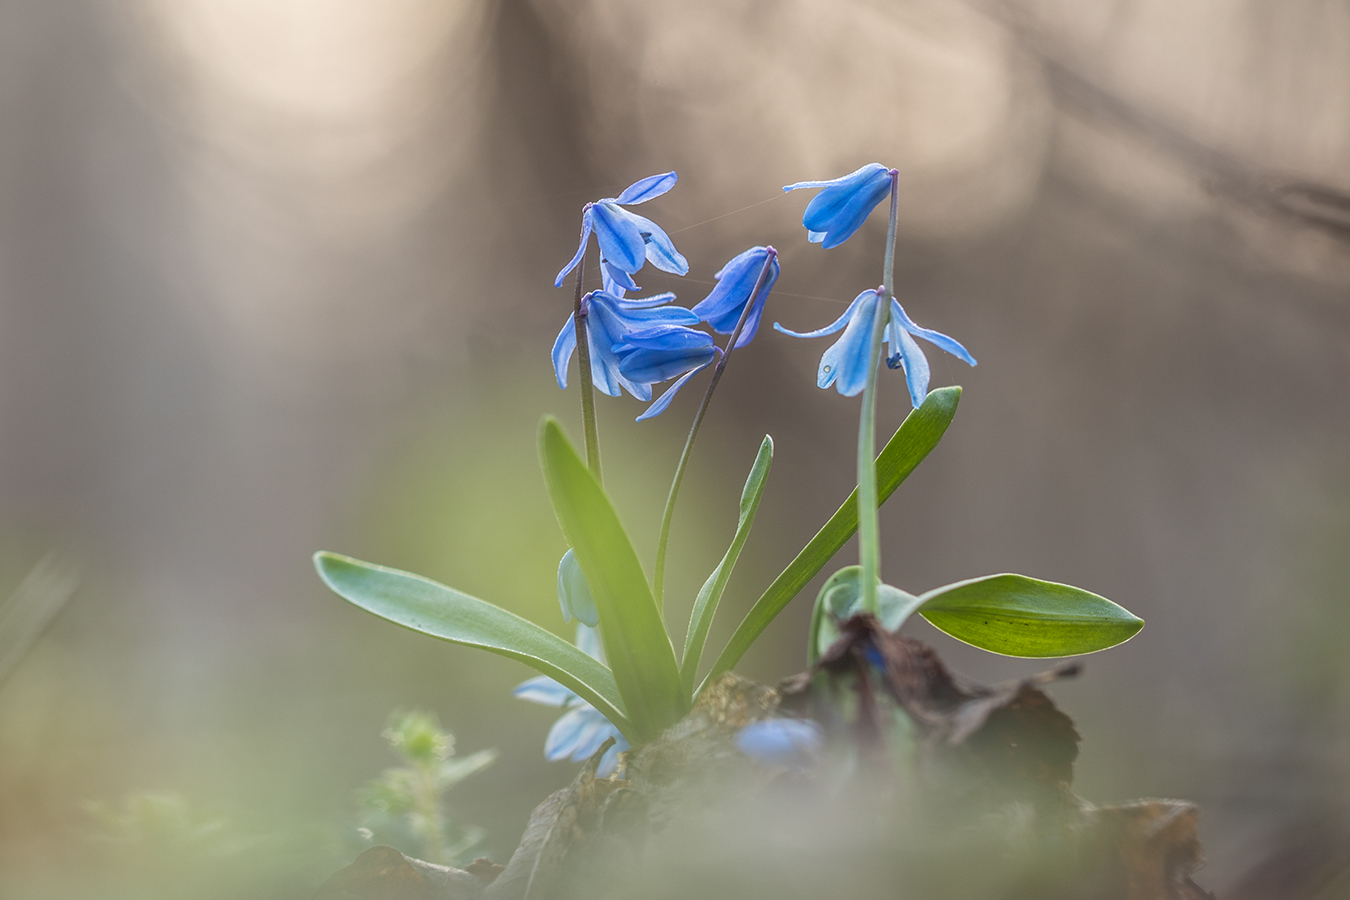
[[843, 204], [845, 364], [781, 742], [626, 239], [722, 308], [609, 320], [663, 352], [583, 728]]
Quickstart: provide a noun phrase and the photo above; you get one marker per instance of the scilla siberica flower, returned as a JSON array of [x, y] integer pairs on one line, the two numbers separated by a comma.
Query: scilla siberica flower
[[844, 365], [843, 204], [626, 239], [663, 352], [723, 306], [582, 729], [611, 318]]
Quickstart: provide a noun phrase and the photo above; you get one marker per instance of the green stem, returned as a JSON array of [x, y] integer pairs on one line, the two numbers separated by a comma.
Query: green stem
[[592, 434], [869, 529], [659, 576]]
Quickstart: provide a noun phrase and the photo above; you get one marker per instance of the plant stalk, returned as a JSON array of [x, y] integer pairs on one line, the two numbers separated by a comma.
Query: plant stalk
[[592, 434], [869, 528], [658, 580]]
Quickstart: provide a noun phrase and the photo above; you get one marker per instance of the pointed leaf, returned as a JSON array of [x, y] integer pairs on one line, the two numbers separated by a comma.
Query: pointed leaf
[[1020, 616], [636, 644], [914, 440], [706, 605], [431, 608]]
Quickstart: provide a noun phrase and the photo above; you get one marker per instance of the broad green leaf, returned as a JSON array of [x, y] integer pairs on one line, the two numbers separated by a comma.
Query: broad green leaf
[[431, 608], [636, 644], [1020, 616], [711, 594], [840, 598], [914, 440]]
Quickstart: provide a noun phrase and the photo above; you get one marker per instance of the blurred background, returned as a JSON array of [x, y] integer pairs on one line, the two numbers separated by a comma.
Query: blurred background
[[275, 276]]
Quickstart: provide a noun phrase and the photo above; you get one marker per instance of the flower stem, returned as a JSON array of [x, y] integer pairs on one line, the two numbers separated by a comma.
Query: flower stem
[[587, 388], [869, 529], [658, 580]]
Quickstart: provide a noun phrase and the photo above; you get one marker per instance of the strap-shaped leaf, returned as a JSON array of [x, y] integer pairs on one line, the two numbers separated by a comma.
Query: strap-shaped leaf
[[914, 440], [443, 612], [637, 646], [1020, 616], [711, 594]]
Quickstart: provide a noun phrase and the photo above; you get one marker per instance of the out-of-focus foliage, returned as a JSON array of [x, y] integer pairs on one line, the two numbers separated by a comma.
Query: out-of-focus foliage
[[405, 806]]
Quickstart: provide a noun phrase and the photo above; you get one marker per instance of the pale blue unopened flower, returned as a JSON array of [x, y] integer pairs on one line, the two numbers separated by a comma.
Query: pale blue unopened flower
[[843, 204], [723, 306], [609, 320], [574, 592], [583, 728], [626, 239], [661, 353], [781, 742], [844, 364]]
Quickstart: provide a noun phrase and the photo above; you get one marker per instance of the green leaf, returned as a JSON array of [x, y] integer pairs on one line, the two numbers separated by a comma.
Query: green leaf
[[711, 594], [914, 440], [639, 650], [841, 597], [1020, 616], [431, 608]]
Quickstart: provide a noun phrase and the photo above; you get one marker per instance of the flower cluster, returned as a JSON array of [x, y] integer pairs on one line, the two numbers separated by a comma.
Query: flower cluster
[[636, 343]]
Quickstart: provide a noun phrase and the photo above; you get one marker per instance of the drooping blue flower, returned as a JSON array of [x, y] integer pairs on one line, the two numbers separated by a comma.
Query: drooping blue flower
[[781, 742], [723, 306], [844, 364], [574, 592], [609, 320], [583, 728], [626, 239], [843, 204], [663, 352]]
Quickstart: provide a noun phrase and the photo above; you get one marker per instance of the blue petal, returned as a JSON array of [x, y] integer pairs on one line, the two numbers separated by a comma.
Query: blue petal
[[643, 302], [562, 350], [916, 367], [670, 338], [664, 400], [574, 592], [595, 733], [781, 742], [602, 330], [661, 250], [652, 366], [616, 280], [752, 321], [581, 249], [544, 690], [936, 338], [857, 175], [834, 326], [845, 364], [568, 731], [645, 189], [620, 240], [588, 641]]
